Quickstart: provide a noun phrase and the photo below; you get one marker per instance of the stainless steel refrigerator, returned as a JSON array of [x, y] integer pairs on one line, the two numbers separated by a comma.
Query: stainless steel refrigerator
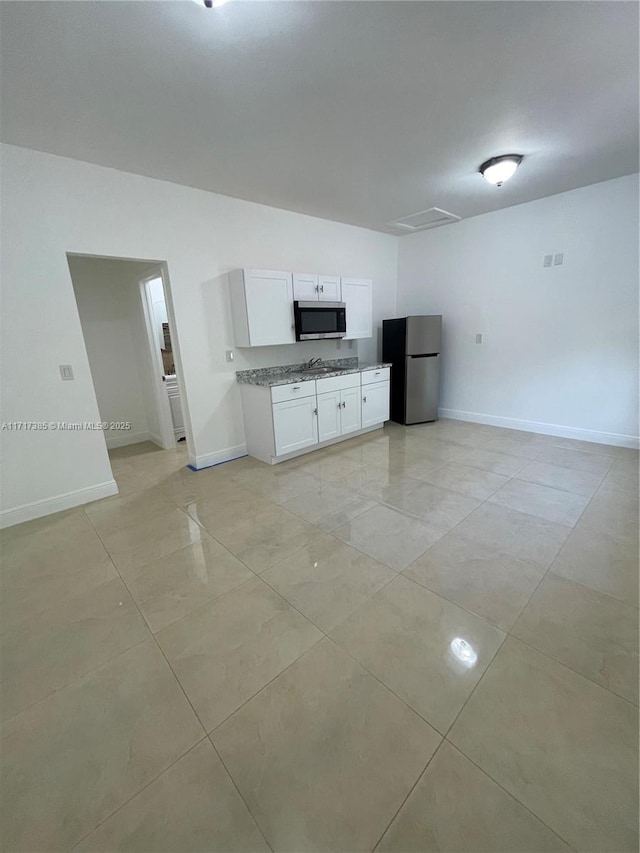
[[412, 346]]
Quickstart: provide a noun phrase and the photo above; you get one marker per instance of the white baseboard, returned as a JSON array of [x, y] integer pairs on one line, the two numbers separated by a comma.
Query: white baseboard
[[558, 430], [217, 457], [47, 506], [122, 438]]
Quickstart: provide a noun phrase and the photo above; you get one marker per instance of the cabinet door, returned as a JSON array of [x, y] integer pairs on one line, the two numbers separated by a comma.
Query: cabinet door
[[329, 408], [375, 404], [305, 287], [350, 411], [329, 289], [269, 298], [295, 425], [357, 294]]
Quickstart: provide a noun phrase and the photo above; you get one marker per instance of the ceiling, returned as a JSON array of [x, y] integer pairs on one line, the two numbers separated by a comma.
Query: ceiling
[[361, 112]]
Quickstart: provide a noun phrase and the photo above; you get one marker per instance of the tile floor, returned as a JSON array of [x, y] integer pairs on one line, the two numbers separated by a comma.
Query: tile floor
[[251, 658]]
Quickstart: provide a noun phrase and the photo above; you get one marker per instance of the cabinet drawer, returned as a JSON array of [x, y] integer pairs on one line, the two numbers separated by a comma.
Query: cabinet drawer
[[380, 374], [297, 390], [338, 383]]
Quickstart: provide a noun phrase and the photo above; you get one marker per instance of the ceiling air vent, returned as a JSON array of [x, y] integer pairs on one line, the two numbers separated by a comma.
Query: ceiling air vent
[[432, 218]]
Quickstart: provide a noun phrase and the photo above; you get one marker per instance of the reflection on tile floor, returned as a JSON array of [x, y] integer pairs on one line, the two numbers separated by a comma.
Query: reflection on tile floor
[[424, 639]]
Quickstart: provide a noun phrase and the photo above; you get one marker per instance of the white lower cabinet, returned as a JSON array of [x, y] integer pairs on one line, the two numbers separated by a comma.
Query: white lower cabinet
[[351, 411], [339, 413], [286, 420], [375, 403], [328, 415], [295, 425]]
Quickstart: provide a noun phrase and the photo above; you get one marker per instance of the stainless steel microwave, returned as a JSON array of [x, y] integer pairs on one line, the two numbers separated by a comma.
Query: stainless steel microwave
[[317, 320]]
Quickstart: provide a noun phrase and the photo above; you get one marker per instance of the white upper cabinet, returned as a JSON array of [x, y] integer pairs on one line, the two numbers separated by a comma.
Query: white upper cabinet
[[305, 287], [357, 294], [329, 289], [262, 307], [308, 287], [262, 304]]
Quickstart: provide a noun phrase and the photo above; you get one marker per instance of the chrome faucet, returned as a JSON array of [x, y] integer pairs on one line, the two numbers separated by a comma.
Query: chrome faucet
[[313, 361]]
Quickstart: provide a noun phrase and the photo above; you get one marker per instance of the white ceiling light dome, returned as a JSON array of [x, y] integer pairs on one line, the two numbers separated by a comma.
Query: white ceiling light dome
[[211, 4], [497, 170]]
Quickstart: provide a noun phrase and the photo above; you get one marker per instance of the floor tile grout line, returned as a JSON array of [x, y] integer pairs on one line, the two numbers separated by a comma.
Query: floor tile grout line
[[548, 570], [133, 796], [411, 790], [308, 618], [591, 589], [476, 685], [157, 644], [161, 650], [267, 684], [511, 795], [240, 794], [75, 681], [456, 603], [588, 678], [385, 686]]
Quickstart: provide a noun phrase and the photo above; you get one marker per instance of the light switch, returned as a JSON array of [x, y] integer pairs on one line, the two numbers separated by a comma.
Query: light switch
[[228, 354], [66, 371], [558, 259], [479, 338], [548, 260]]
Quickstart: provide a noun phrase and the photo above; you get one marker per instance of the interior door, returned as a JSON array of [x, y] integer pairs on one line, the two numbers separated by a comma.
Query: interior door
[[421, 390], [328, 415], [159, 416], [329, 289], [305, 287], [350, 411]]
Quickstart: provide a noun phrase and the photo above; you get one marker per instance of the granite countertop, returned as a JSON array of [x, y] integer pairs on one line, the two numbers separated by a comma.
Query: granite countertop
[[288, 374]]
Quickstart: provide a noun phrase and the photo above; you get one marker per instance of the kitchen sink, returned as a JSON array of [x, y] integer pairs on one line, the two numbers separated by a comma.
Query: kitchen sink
[[321, 370]]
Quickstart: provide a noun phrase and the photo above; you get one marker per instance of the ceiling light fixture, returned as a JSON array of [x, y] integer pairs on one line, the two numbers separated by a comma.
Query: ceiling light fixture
[[497, 170], [211, 4]]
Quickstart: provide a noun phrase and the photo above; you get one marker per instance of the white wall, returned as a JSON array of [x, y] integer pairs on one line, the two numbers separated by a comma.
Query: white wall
[[51, 206], [560, 351], [109, 305]]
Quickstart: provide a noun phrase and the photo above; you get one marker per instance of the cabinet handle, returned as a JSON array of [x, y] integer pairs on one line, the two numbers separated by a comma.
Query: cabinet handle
[[322, 288], [339, 405], [377, 373], [344, 405], [296, 388], [315, 411], [364, 399], [316, 288]]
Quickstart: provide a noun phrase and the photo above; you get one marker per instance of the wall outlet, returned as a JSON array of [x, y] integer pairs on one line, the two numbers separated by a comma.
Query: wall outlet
[[548, 259], [478, 338], [228, 354], [558, 259], [66, 371]]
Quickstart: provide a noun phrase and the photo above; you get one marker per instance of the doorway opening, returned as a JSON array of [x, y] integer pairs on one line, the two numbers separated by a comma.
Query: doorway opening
[[130, 338]]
